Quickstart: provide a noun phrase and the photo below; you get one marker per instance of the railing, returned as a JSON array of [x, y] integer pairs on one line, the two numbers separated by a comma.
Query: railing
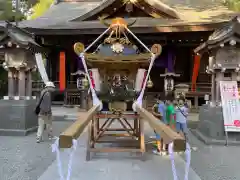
[[39, 85], [73, 96]]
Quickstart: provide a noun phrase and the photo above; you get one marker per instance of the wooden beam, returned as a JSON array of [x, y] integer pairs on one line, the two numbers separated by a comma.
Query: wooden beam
[[168, 134], [76, 129]]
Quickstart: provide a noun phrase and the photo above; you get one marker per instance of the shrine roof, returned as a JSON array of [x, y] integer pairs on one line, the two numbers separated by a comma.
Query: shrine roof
[[231, 31], [142, 25], [18, 35], [61, 13], [73, 14]]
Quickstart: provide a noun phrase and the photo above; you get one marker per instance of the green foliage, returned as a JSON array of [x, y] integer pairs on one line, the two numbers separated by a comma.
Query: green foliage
[[7, 12], [233, 4], [40, 8], [36, 76]]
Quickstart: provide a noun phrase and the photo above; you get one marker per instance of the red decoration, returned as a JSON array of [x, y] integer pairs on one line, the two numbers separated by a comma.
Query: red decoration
[[195, 71], [92, 80], [237, 123], [62, 71]]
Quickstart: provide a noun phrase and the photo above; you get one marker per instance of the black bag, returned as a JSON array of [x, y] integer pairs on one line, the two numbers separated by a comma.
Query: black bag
[[37, 109]]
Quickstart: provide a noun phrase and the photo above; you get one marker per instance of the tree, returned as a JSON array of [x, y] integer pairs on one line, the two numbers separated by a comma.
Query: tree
[[40, 8], [7, 12], [233, 4]]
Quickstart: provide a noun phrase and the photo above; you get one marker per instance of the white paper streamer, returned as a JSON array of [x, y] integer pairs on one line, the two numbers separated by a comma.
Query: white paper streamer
[[96, 101], [140, 97], [55, 148], [188, 161], [41, 67]]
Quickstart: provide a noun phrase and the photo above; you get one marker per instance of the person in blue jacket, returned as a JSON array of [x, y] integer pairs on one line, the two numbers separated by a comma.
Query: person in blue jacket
[[161, 109]]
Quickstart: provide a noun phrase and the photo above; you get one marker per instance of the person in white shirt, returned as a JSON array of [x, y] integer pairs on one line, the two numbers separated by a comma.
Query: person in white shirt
[[181, 118]]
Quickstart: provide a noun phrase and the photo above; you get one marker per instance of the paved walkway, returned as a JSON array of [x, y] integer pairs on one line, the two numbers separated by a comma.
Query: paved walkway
[[21, 158], [117, 166], [73, 113]]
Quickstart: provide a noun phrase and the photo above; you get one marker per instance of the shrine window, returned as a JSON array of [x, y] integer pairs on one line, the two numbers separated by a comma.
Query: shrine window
[[227, 75]]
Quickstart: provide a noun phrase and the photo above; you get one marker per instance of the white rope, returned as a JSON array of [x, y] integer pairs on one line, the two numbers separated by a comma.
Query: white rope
[[140, 97], [188, 161], [96, 101], [138, 40], [153, 57], [55, 148], [96, 40], [41, 67]]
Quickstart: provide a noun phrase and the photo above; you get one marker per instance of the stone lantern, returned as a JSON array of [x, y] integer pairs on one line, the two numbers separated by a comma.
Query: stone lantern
[[181, 90], [17, 108], [169, 86], [82, 86], [223, 47]]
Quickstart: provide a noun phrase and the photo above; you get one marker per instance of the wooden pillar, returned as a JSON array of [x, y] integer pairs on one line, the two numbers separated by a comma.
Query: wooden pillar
[[29, 84], [22, 83], [15, 84], [219, 77], [213, 81], [71, 71], [10, 84], [196, 102], [83, 98]]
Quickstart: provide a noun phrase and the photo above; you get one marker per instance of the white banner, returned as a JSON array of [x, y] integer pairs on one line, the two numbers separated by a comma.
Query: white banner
[[41, 67], [230, 105]]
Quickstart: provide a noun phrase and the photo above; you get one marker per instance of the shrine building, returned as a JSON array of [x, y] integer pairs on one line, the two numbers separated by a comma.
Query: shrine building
[[178, 26]]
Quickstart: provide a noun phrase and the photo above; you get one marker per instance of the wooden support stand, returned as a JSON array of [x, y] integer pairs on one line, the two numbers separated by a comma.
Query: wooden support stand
[[102, 130], [127, 138]]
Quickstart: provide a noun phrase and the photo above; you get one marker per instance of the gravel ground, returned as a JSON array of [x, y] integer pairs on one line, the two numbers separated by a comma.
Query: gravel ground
[[215, 162], [22, 159]]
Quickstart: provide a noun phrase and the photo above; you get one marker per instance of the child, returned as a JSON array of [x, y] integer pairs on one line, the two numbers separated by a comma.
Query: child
[[161, 108], [181, 118], [170, 113]]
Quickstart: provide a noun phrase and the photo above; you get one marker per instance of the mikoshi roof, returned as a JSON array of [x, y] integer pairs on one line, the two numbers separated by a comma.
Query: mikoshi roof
[[72, 14]]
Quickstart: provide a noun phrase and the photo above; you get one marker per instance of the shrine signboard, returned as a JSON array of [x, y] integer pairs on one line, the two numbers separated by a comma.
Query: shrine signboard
[[230, 105]]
